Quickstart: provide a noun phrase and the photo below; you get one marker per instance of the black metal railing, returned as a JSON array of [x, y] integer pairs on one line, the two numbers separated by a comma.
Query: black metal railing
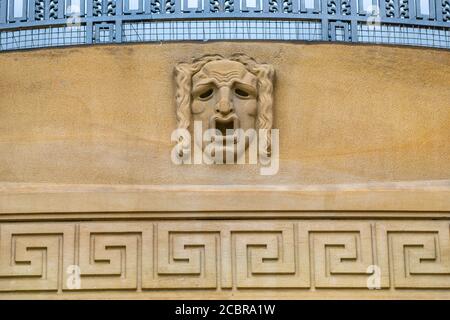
[[42, 23]]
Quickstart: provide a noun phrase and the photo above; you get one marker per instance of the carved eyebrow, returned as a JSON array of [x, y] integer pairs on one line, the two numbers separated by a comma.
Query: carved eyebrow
[[246, 86], [227, 77], [199, 87], [202, 84]]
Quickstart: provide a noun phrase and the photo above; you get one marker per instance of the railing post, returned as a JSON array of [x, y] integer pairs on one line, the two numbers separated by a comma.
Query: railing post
[[119, 7], [353, 8], [354, 30], [412, 6], [265, 5], [439, 6], [31, 8], [325, 24], [382, 7], [237, 6], [354, 22], [61, 8], [89, 8], [89, 32], [3, 8], [118, 31], [295, 6], [118, 27], [177, 6], [206, 6]]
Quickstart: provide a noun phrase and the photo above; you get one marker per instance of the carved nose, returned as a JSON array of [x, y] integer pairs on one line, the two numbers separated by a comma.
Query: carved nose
[[224, 107]]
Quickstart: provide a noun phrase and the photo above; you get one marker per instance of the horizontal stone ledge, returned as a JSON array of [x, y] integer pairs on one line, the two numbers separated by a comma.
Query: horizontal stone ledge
[[273, 294], [415, 196]]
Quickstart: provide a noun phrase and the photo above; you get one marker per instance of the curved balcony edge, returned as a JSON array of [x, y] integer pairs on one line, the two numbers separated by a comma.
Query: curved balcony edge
[[26, 24]]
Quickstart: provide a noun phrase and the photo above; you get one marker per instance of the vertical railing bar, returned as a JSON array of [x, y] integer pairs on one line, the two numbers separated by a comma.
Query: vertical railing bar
[[89, 33], [325, 24], [61, 8], [3, 11], [382, 7], [89, 9], [118, 31], [440, 8], [354, 30], [412, 9], [119, 7], [31, 10], [206, 6], [177, 6]]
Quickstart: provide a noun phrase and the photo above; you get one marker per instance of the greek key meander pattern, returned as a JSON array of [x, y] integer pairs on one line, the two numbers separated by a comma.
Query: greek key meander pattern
[[224, 255]]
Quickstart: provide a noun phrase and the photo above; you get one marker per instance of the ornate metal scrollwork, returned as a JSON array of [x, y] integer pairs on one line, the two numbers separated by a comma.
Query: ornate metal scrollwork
[[39, 10], [53, 9], [446, 10], [288, 6], [111, 8], [155, 6], [97, 8], [228, 6], [169, 6], [41, 6], [346, 7], [390, 8], [103, 8], [214, 6], [404, 8], [331, 7], [273, 6]]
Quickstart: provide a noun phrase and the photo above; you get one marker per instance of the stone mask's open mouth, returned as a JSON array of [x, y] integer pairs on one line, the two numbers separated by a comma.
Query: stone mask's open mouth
[[226, 126]]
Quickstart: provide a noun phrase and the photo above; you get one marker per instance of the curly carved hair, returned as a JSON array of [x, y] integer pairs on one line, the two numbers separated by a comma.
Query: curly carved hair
[[264, 72]]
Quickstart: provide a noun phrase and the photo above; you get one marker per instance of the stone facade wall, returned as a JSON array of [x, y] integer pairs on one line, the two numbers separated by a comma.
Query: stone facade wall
[[87, 185]]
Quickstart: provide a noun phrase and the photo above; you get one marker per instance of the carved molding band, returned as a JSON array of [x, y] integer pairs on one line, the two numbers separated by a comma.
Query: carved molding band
[[224, 255]]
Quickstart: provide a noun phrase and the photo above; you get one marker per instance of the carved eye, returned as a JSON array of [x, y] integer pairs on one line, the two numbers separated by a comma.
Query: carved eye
[[241, 93], [206, 94]]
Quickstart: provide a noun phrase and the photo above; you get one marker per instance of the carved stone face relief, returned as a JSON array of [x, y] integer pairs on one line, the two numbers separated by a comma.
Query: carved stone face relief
[[225, 94]]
